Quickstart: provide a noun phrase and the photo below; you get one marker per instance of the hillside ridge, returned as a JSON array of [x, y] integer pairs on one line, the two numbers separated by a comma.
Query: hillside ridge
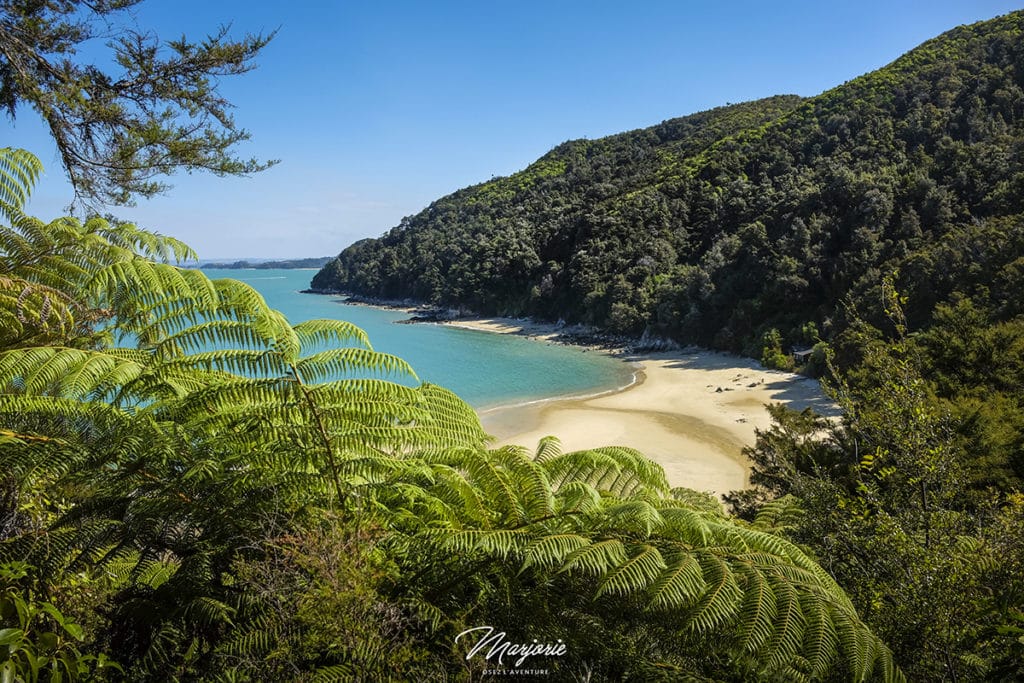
[[716, 228]]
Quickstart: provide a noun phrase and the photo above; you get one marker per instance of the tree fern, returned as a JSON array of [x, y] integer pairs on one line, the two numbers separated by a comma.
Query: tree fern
[[679, 583], [19, 171], [635, 574], [739, 586]]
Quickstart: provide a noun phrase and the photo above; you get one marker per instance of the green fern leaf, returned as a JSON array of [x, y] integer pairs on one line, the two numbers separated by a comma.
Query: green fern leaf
[[680, 584], [634, 575]]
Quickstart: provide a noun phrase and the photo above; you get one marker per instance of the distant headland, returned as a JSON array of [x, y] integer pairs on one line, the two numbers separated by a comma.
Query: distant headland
[[311, 262]]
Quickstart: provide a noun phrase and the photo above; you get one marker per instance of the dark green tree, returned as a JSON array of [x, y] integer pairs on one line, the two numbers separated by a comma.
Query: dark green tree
[[889, 504], [118, 130]]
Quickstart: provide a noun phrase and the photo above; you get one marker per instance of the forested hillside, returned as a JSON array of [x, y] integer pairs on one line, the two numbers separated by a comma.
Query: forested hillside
[[718, 227], [545, 240]]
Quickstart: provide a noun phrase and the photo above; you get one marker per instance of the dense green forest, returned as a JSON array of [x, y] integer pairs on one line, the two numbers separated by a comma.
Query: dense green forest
[[192, 488], [717, 227]]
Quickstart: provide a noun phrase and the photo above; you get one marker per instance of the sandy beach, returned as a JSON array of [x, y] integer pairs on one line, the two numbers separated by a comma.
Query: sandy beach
[[692, 411]]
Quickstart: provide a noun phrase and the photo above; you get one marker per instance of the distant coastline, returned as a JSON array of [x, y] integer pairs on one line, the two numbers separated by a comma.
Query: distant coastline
[[284, 264], [576, 334]]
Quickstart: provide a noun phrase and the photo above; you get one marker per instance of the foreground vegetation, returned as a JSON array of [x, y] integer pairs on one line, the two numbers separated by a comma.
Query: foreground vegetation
[[913, 501], [194, 488]]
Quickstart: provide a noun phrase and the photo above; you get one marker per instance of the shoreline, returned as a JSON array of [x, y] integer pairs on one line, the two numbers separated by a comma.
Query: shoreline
[[637, 377], [690, 410]]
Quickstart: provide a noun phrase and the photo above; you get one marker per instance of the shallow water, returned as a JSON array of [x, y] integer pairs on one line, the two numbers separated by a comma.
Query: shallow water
[[485, 369]]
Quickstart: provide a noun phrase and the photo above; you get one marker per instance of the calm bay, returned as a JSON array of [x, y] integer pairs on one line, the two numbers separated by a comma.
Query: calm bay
[[483, 368]]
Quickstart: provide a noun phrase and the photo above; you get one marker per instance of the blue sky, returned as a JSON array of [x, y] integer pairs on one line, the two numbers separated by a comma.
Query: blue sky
[[377, 108]]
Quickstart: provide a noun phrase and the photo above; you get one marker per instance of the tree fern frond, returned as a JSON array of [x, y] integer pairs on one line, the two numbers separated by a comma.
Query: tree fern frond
[[208, 611], [552, 550], [336, 673], [343, 362], [821, 641], [778, 515], [473, 501], [596, 558], [152, 245], [201, 335], [721, 599], [497, 485], [530, 479], [547, 448], [578, 496], [679, 584], [789, 623], [320, 333], [698, 500], [688, 525], [453, 422], [255, 639], [620, 471], [497, 542], [757, 612], [633, 515], [635, 574], [352, 391], [138, 281], [243, 362], [73, 373], [19, 171]]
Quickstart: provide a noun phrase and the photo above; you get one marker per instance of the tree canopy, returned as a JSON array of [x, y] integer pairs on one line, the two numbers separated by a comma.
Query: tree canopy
[[145, 111]]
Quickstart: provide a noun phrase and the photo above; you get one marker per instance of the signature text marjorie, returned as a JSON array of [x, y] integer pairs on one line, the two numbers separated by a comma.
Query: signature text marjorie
[[499, 647]]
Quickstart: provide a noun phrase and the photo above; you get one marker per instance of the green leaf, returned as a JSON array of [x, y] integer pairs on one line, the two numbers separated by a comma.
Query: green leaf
[[7, 672], [53, 612], [75, 631], [10, 636], [47, 642]]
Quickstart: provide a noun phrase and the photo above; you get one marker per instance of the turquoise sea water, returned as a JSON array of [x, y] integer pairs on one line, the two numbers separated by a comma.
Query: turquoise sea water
[[483, 368]]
